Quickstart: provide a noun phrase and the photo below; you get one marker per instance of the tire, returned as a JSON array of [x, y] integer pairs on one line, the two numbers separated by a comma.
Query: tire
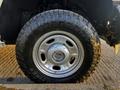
[[65, 25]]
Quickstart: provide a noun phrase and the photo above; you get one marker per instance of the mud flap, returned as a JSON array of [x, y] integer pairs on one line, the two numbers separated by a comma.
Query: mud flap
[[117, 49]]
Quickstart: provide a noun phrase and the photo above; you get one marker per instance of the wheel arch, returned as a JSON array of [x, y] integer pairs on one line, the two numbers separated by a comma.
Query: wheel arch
[[23, 10]]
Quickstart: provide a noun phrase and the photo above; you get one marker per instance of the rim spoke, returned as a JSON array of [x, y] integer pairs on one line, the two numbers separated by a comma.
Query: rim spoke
[[74, 55], [42, 51], [60, 39], [64, 67], [73, 51], [48, 64], [44, 47]]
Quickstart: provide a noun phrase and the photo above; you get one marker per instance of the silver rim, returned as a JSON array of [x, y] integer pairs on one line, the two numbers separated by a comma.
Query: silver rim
[[58, 54]]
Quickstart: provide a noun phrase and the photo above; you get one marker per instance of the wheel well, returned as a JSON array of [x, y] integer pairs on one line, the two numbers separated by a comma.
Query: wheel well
[[27, 15]]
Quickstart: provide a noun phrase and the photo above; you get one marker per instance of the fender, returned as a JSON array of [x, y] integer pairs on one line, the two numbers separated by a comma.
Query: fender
[[98, 12]]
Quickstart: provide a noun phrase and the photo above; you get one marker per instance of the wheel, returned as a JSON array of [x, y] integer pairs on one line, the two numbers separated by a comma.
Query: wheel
[[58, 46]]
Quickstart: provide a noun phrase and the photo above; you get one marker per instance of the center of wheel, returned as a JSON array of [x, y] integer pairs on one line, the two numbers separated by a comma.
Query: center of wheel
[[58, 56], [58, 53]]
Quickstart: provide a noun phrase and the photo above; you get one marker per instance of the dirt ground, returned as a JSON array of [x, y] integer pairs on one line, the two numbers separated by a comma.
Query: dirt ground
[[106, 75]]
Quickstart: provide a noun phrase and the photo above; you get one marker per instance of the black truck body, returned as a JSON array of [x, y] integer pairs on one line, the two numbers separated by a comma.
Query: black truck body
[[15, 13]]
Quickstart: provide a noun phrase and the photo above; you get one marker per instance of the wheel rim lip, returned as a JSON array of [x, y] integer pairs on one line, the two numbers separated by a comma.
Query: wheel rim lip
[[58, 74]]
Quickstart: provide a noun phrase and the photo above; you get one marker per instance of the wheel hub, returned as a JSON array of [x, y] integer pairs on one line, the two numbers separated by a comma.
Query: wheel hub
[[58, 53], [58, 56]]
